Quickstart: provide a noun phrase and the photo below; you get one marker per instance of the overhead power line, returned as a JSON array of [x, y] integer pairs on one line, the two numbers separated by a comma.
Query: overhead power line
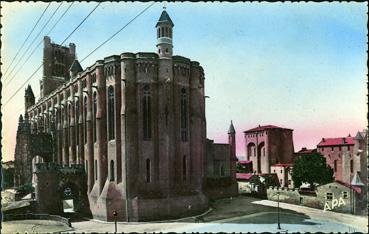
[[29, 34], [111, 37], [38, 45], [34, 39], [29, 78], [81, 23]]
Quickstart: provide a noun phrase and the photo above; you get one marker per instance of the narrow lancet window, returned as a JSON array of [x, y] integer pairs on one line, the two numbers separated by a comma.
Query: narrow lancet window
[[146, 105], [85, 119], [148, 171], [111, 124], [94, 117], [184, 115]]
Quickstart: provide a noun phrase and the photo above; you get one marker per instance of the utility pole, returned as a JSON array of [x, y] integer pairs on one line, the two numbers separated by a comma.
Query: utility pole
[[279, 223]]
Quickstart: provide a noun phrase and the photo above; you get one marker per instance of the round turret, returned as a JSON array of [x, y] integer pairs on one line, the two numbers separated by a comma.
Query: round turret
[[164, 29]]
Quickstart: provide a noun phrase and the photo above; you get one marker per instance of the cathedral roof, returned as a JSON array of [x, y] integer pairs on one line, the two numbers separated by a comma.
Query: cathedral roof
[[75, 67], [231, 129], [164, 18]]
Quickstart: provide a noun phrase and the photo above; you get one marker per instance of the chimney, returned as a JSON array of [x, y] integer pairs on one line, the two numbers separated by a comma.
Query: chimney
[[349, 135], [323, 139]]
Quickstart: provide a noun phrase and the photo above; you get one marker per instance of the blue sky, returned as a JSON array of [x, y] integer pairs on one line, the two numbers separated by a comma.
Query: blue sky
[[295, 65]]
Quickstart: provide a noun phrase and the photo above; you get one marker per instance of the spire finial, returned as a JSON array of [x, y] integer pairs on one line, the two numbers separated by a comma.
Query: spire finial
[[165, 5]]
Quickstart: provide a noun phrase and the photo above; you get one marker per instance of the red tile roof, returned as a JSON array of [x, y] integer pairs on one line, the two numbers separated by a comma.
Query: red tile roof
[[282, 165], [337, 141], [262, 128], [243, 176], [355, 188], [244, 161]]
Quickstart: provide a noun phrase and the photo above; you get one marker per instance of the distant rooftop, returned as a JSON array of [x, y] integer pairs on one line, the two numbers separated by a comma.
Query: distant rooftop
[[337, 141], [282, 165], [304, 150], [264, 127]]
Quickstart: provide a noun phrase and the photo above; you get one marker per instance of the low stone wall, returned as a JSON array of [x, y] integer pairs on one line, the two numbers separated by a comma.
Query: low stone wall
[[222, 192], [32, 216], [293, 196]]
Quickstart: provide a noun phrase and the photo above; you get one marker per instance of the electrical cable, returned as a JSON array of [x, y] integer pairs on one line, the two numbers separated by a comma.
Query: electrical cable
[[29, 34]]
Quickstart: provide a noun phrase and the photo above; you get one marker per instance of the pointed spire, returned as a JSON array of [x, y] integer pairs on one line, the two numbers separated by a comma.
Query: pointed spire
[[29, 92], [75, 67], [356, 180], [20, 120], [231, 129], [164, 18]]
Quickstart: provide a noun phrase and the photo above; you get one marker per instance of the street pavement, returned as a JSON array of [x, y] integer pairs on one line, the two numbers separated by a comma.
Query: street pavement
[[239, 214]]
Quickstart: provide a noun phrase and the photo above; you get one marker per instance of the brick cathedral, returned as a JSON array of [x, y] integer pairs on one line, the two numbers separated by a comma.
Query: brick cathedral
[[134, 123]]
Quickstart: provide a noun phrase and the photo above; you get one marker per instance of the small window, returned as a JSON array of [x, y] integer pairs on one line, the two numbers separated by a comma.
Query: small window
[[335, 165], [322, 149], [348, 147], [289, 182], [184, 168], [222, 172], [274, 170], [166, 50], [112, 175], [280, 181], [148, 171], [281, 171], [329, 196], [95, 169], [332, 148], [344, 194]]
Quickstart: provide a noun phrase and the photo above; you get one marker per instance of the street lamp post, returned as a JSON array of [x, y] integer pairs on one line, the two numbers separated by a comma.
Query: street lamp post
[[279, 223], [115, 220]]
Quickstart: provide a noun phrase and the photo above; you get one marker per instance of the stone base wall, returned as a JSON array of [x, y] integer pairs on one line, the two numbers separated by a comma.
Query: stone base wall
[[292, 196], [111, 199]]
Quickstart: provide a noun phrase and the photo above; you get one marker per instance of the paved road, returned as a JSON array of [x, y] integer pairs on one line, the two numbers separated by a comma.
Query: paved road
[[240, 214], [34, 226]]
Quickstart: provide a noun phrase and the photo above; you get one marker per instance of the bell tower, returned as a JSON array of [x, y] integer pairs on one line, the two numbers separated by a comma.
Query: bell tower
[[164, 28]]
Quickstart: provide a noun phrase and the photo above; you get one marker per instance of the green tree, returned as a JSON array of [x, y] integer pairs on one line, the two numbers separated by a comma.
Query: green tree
[[311, 168]]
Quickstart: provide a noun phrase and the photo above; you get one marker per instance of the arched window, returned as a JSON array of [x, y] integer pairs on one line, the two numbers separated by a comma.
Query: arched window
[[158, 32], [148, 171], [146, 105], [170, 32], [95, 169], [184, 168], [111, 125], [76, 122], [351, 166], [86, 167], [94, 116], [85, 119], [166, 32], [335, 165], [184, 114], [112, 178], [162, 32]]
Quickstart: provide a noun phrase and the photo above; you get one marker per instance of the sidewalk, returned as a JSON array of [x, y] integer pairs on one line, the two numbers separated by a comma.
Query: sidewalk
[[348, 219]]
